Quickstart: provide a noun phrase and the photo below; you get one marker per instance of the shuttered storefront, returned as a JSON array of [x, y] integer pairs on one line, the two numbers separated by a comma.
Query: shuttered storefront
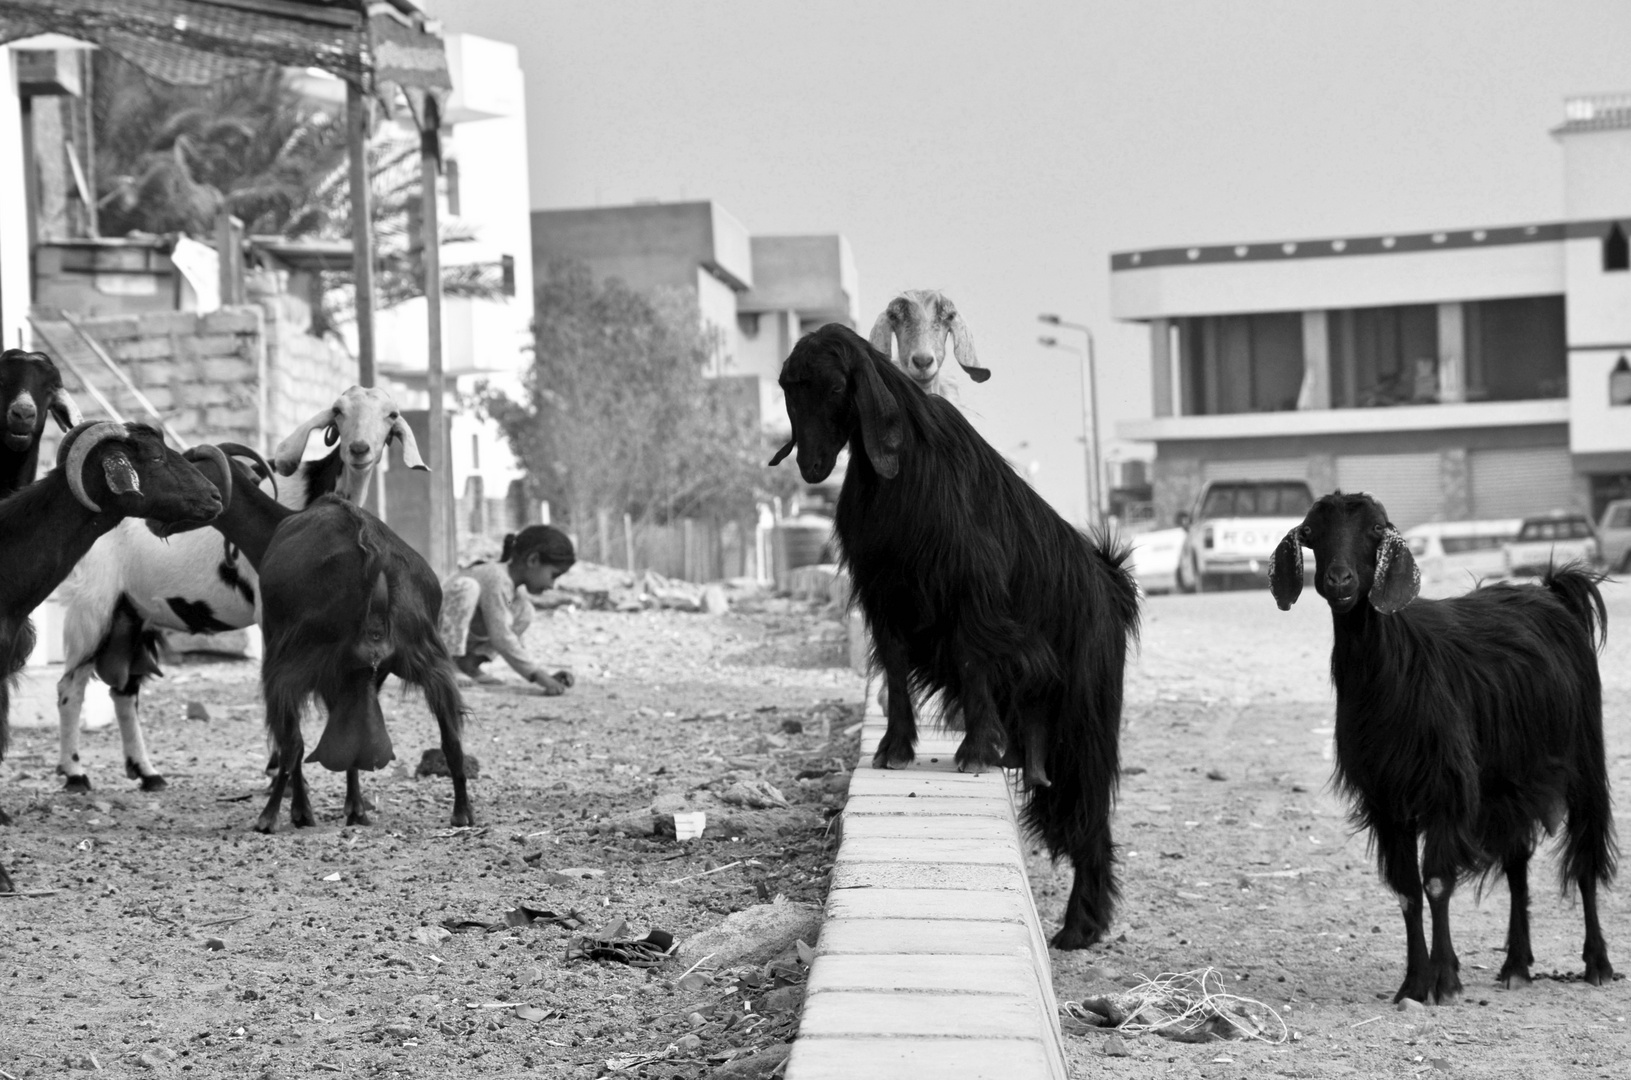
[[1516, 483], [1295, 468], [1407, 484]]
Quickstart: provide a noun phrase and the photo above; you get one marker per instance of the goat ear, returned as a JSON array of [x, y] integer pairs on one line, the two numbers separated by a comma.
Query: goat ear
[[882, 331], [1398, 578], [1286, 571], [963, 345], [410, 448], [880, 418], [63, 410], [286, 458], [783, 452], [120, 474]]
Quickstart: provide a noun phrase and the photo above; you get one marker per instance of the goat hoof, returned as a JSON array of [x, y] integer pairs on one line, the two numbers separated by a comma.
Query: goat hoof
[[358, 818], [1075, 937], [1514, 980], [79, 784], [463, 819], [155, 782], [264, 824], [1599, 971]]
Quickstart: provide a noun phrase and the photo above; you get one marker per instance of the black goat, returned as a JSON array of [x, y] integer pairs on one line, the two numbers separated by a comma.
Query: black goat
[[1471, 723], [975, 589], [106, 472], [344, 603], [30, 390]]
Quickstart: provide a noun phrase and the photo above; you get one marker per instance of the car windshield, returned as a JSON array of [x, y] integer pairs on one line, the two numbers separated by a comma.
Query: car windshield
[[1257, 500], [1619, 518]]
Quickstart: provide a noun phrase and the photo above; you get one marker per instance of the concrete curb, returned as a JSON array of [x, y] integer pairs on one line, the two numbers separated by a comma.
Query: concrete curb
[[932, 962]]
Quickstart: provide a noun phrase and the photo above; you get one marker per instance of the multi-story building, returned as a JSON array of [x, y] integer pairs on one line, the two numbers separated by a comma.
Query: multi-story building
[[1468, 372], [758, 293]]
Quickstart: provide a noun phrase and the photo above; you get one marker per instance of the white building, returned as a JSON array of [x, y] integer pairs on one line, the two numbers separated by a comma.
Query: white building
[[1460, 373]]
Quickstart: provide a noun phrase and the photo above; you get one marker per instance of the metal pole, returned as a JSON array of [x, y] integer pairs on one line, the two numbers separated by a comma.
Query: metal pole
[[362, 229], [431, 260], [1097, 486]]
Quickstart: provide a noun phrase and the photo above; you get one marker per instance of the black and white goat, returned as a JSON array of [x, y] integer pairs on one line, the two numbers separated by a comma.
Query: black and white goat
[[132, 584], [1470, 724], [30, 390], [973, 588], [344, 603], [106, 473], [920, 321]]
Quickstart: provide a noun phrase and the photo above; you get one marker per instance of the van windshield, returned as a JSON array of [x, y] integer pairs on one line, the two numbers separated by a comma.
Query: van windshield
[[1257, 500]]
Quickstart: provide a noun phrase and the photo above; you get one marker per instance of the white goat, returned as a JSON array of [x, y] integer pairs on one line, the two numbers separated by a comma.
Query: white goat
[[920, 321], [132, 584]]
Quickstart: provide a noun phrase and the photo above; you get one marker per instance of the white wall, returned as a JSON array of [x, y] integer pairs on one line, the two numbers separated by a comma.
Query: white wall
[[15, 287], [1425, 277], [717, 303], [1594, 425], [1595, 167]]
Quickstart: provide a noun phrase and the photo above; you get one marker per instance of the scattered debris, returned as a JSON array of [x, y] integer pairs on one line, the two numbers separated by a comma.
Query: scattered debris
[[434, 763], [612, 942], [757, 934], [1188, 1006]]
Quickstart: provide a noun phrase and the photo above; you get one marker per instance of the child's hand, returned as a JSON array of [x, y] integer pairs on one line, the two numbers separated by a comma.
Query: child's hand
[[548, 685]]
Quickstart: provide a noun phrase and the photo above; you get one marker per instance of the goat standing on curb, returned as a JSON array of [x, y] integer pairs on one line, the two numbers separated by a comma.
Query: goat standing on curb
[[920, 321], [30, 390], [106, 472], [344, 603], [1471, 723], [975, 589], [131, 585]]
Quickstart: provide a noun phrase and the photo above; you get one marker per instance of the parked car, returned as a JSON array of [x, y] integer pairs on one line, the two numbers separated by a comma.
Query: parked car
[[1552, 539], [1461, 552], [1614, 535], [1155, 559], [1234, 530]]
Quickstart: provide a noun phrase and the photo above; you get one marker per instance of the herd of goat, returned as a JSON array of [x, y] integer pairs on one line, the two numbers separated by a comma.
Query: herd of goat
[[1465, 728]]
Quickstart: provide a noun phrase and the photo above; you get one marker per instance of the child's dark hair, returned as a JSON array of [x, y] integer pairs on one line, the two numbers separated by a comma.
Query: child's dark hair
[[550, 543]]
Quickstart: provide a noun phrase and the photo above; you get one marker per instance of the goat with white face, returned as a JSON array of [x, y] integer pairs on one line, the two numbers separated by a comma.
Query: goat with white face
[[920, 321], [132, 584]]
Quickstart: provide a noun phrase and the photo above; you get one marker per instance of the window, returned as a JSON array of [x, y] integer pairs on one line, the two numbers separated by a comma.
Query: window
[[1616, 253], [1384, 355], [1516, 349], [1240, 363]]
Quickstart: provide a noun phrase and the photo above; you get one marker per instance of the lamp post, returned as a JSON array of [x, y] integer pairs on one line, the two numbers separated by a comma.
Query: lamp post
[[1090, 413]]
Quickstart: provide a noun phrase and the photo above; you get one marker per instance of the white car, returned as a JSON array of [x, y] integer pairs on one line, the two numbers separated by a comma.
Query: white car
[[1235, 529], [1456, 554], [1155, 559]]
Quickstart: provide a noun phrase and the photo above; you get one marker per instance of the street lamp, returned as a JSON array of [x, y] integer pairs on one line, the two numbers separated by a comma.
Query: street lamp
[[1090, 413]]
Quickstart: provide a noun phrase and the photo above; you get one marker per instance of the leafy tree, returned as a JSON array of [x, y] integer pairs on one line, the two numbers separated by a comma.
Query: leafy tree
[[617, 415]]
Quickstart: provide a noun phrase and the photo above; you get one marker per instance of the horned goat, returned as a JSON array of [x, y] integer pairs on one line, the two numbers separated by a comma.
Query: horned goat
[[105, 473], [132, 585]]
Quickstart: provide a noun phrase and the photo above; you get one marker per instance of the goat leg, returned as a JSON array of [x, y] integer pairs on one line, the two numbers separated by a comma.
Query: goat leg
[[126, 709], [1515, 972], [896, 749], [267, 822], [1595, 954], [6, 884], [1396, 852], [442, 695], [981, 747], [1444, 967], [356, 807]]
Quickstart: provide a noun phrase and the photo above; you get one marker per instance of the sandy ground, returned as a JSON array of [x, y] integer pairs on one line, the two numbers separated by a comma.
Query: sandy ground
[[1236, 855], [178, 942]]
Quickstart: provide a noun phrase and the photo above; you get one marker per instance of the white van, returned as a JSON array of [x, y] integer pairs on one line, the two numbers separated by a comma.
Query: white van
[[1455, 555]]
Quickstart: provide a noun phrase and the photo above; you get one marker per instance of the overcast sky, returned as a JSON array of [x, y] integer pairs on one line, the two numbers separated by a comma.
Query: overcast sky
[[1000, 151]]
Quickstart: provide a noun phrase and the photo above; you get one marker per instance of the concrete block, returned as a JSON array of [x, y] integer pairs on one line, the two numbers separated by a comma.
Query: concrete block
[[941, 851], [954, 905], [231, 320], [921, 783], [888, 1058], [992, 806], [992, 973], [935, 936], [994, 831], [838, 1013], [848, 874]]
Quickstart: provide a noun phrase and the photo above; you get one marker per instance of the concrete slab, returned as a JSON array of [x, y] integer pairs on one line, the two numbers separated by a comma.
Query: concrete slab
[[934, 936], [891, 1058], [982, 905], [994, 974], [838, 1013], [904, 875], [929, 826]]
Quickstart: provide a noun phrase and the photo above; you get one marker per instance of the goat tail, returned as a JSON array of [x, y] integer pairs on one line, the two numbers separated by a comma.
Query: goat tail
[[1576, 585]]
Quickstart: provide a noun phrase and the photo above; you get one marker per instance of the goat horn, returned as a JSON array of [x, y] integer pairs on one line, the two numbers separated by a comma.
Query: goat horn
[[62, 407], [264, 470], [77, 446], [215, 454]]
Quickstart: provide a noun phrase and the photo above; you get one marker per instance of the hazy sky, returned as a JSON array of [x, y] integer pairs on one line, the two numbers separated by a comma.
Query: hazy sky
[[1001, 151]]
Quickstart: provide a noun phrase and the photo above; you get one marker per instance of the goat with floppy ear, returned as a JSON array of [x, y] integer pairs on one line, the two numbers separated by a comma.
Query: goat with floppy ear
[[30, 391], [381, 422], [920, 321], [1466, 725], [975, 590]]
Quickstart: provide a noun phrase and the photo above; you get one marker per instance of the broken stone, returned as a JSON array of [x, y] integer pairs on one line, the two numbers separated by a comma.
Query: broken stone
[[755, 935]]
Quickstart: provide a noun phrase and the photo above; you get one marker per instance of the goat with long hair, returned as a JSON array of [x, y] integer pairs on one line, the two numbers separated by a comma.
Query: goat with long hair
[[974, 589], [1469, 724]]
